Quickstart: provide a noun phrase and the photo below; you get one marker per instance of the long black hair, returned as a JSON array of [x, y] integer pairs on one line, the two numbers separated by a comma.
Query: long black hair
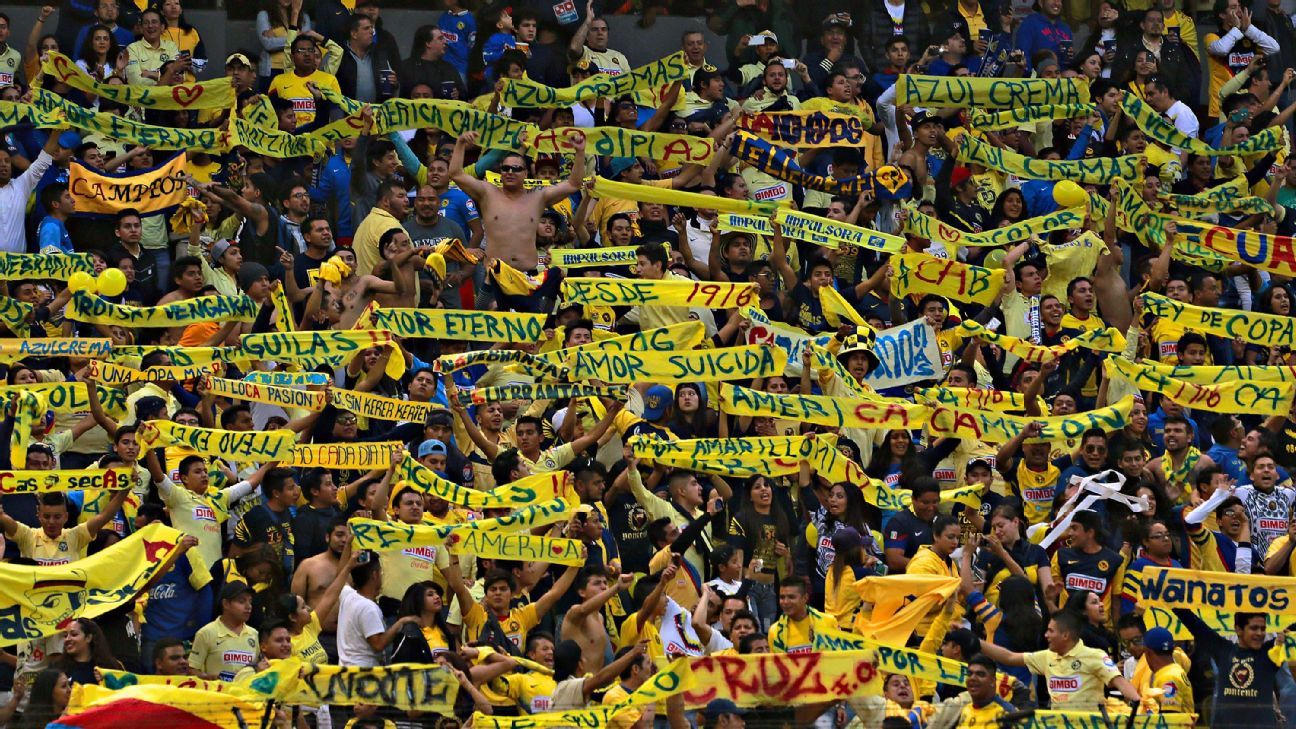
[[40, 703]]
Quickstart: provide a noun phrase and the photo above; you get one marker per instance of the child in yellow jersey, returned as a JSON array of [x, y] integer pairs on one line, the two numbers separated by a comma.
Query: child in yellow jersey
[[1166, 689], [304, 620], [1032, 474]]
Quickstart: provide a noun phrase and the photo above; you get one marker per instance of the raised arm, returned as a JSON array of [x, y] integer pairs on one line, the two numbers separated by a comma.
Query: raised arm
[[466, 182], [98, 521]]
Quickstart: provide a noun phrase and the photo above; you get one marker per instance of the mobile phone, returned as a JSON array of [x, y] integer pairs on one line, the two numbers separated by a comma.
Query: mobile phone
[[677, 559], [364, 557], [933, 51], [986, 34], [788, 63], [756, 40], [719, 504]]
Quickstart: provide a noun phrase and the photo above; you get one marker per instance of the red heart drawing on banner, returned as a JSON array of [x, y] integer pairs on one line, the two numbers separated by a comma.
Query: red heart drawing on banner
[[354, 121], [190, 94], [63, 67], [557, 549]]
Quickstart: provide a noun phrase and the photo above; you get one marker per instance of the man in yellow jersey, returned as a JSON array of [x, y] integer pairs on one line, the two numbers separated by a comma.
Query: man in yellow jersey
[[980, 707], [1165, 676], [295, 86], [631, 679], [52, 544], [501, 587], [794, 631], [1077, 675], [192, 510]]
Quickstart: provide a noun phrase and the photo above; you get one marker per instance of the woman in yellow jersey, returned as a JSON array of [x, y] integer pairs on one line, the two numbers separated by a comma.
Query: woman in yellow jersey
[[304, 620], [419, 643], [184, 36]]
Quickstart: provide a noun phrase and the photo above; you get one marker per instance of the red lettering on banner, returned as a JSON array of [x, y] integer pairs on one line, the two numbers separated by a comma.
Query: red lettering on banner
[[1282, 251]]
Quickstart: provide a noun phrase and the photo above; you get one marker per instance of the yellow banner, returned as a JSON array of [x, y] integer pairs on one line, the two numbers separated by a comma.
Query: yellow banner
[[274, 143], [540, 391], [805, 128], [1102, 340], [667, 682], [94, 310], [150, 191], [1229, 197], [919, 273], [705, 365], [993, 121], [403, 686], [643, 292], [673, 338], [1176, 588], [823, 410], [12, 350], [996, 93], [1048, 719], [461, 324], [893, 659], [991, 427], [925, 226], [1273, 253], [119, 127], [71, 398], [517, 547], [1158, 128], [60, 266], [681, 149], [524, 492], [642, 193], [590, 257], [115, 680], [214, 94], [115, 375], [520, 361], [285, 397], [323, 348], [365, 456], [456, 117], [1214, 375], [1093, 171], [1259, 398], [384, 536], [156, 705], [1265, 329], [813, 229], [1001, 401], [369, 405], [39, 601], [528, 94], [287, 379], [784, 679], [236, 445], [39, 482]]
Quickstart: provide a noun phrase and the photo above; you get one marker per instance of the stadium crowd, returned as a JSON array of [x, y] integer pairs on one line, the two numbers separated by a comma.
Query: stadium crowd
[[764, 559]]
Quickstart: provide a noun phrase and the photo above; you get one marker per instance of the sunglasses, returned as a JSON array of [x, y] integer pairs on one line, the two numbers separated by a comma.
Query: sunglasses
[[512, 168]]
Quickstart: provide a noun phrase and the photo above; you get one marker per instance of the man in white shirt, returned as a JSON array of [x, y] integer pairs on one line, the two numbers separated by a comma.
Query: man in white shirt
[[1159, 97], [361, 637], [14, 192]]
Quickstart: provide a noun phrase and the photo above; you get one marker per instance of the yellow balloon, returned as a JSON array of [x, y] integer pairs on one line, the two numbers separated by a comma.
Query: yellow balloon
[[81, 281], [1069, 195], [112, 282], [994, 259]]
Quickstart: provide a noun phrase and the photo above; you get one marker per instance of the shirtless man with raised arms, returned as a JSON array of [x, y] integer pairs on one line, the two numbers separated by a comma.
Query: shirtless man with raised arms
[[510, 213]]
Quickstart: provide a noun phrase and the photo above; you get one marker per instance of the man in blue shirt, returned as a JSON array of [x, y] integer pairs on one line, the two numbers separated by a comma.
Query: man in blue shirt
[[52, 233], [1227, 432], [1045, 30]]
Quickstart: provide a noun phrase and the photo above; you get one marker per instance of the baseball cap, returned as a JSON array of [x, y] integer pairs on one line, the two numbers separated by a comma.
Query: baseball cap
[[234, 58], [656, 400], [835, 20], [720, 707], [1159, 640], [232, 590], [846, 539], [218, 249], [959, 176], [922, 118], [620, 164], [770, 37], [980, 461], [432, 447]]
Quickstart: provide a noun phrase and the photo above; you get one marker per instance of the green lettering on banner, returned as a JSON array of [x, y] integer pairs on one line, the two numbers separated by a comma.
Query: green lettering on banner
[[464, 325], [1095, 171], [968, 91]]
